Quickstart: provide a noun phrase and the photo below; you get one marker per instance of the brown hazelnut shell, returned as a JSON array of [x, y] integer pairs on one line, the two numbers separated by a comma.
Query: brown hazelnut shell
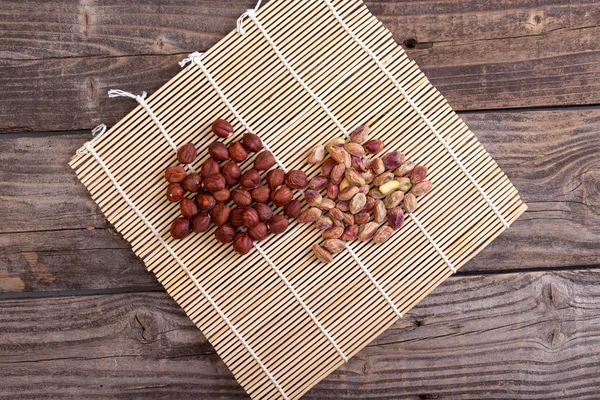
[[175, 174], [186, 154]]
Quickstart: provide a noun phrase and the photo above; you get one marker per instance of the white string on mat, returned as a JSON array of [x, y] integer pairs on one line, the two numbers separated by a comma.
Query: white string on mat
[[433, 242], [141, 99], [89, 148], [240, 21], [302, 303], [417, 109], [97, 132], [295, 74], [374, 281], [195, 58]]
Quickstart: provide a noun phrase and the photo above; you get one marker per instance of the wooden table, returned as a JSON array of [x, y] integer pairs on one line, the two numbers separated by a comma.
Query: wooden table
[[81, 318]]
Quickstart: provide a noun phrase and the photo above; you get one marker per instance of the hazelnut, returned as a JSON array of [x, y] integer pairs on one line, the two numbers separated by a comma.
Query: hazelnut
[[180, 228], [261, 194], [220, 214], [186, 154], [393, 160], [418, 174], [318, 182], [192, 182], [225, 233], [250, 217], [327, 166], [175, 192], [222, 128], [296, 179], [175, 174], [214, 183], [265, 212], [222, 195], [188, 208], [278, 224], [264, 160], [242, 244], [251, 142], [237, 152], [218, 151], [209, 167], [293, 208], [201, 222], [258, 232], [373, 146], [250, 179], [281, 196], [235, 217], [332, 190], [241, 197], [231, 172], [205, 201], [275, 178]]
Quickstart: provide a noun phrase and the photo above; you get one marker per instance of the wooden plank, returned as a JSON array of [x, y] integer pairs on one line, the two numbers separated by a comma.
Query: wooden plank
[[483, 55], [528, 336], [551, 156], [71, 259], [52, 235]]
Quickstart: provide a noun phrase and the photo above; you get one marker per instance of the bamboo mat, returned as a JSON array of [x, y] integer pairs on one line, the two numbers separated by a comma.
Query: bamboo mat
[[279, 319]]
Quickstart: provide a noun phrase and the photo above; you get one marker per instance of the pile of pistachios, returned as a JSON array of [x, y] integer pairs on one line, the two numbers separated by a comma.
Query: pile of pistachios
[[361, 193]]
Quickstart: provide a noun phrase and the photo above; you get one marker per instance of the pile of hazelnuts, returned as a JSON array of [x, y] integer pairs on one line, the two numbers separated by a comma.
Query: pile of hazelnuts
[[237, 202]]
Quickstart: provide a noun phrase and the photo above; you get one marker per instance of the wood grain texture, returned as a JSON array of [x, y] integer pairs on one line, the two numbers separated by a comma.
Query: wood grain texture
[[480, 55], [526, 336], [551, 156]]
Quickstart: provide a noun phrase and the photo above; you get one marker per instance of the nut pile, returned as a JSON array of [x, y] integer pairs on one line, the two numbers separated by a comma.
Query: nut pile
[[221, 182], [357, 197]]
